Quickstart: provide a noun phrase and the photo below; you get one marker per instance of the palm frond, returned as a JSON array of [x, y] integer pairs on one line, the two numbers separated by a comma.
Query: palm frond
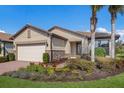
[[96, 8], [115, 9]]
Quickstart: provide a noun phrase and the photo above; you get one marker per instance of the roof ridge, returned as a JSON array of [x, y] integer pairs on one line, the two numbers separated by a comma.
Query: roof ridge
[[65, 30]]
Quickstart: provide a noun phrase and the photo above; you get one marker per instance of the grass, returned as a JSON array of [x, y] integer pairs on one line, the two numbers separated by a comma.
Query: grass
[[110, 82]]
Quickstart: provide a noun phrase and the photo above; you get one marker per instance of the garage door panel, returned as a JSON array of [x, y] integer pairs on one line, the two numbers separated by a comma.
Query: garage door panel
[[31, 52]]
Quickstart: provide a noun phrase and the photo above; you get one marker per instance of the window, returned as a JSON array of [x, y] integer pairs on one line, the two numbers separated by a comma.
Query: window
[[29, 34], [104, 44]]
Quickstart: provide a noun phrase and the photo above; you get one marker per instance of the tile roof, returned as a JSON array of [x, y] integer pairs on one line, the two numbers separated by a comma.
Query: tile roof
[[5, 37], [99, 35]]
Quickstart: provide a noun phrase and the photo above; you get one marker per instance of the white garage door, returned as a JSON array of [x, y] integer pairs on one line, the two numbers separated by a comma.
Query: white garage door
[[31, 52]]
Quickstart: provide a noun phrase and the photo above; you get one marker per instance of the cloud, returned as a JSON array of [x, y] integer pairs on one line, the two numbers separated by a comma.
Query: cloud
[[121, 33], [118, 31], [101, 29], [2, 31]]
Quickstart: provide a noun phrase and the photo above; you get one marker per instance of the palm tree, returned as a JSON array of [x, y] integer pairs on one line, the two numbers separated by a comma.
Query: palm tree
[[114, 10], [93, 20]]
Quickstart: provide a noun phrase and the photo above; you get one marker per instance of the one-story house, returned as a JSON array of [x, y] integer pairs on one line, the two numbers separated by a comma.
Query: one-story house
[[31, 42], [6, 44]]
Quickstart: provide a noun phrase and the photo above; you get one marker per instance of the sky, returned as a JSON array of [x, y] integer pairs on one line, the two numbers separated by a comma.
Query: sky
[[74, 17]]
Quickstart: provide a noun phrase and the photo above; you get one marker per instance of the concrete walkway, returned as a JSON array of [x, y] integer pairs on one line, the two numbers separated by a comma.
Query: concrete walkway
[[12, 66]]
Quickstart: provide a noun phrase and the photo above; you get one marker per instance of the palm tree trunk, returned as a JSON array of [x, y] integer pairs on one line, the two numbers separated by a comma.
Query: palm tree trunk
[[93, 46], [113, 37], [93, 26]]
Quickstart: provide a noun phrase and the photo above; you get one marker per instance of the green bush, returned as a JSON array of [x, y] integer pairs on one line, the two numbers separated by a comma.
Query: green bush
[[11, 57], [81, 64], [105, 63], [50, 70], [0, 49], [3, 59], [100, 52], [45, 57], [119, 63], [36, 68]]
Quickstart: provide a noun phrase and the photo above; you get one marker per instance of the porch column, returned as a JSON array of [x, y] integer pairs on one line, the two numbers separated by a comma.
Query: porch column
[[2, 49], [110, 48], [68, 48], [84, 45]]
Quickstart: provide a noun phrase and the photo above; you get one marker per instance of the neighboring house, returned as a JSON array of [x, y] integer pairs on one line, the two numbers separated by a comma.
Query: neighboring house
[[31, 42], [6, 44]]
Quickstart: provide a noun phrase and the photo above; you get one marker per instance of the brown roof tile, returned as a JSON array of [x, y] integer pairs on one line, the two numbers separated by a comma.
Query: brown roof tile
[[98, 35], [5, 37]]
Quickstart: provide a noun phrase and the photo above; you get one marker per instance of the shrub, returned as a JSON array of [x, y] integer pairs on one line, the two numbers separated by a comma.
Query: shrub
[[80, 64], [11, 57], [24, 75], [15, 74], [119, 63], [0, 49], [3, 59], [45, 57], [100, 52], [35, 76], [36, 68], [8, 73], [105, 63], [88, 66], [50, 70]]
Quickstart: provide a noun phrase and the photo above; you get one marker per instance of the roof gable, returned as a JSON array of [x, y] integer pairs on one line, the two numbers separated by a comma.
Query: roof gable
[[30, 27], [66, 30]]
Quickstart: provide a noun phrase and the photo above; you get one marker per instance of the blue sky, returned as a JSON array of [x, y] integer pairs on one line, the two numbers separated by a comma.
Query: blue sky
[[77, 18]]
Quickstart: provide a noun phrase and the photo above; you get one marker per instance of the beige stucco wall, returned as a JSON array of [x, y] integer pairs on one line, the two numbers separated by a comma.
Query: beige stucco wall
[[71, 47], [58, 44], [35, 37]]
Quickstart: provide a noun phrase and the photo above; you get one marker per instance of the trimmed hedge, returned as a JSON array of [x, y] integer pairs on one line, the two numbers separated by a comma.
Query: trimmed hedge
[[0, 49], [11, 57], [100, 52], [45, 57], [3, 59]]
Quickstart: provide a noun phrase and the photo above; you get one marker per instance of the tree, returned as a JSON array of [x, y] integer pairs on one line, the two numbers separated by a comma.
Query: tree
[[93, 22], [114, 10]]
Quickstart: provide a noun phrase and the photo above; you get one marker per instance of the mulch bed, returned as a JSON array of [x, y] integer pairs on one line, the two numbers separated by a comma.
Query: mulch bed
[[98, 74], [54, 63]]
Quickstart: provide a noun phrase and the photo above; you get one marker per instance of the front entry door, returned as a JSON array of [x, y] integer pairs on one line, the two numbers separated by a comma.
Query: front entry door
[[78, 48]]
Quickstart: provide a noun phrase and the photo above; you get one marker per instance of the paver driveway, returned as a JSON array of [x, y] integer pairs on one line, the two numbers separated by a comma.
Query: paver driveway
[[12, 66]]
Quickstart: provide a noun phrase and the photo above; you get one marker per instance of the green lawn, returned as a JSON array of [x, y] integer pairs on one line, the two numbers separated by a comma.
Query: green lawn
[[113, 82]]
